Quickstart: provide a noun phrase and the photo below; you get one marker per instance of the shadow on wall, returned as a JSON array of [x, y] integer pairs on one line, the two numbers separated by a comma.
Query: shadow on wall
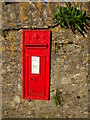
[[50, 62]]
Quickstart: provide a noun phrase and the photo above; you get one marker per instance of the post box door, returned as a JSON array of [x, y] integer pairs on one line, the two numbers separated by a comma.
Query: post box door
[[36, 72], [36, 66]]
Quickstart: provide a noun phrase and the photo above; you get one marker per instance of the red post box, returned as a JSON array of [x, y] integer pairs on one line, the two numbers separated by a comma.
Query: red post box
[[36, 64]]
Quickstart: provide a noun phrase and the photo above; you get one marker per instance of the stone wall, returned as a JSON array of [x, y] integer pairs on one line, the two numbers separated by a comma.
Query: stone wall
[[69, 64], [0, 61]]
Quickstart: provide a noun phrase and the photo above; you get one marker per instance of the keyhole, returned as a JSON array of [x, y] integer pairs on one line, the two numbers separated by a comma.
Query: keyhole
[[31, 78]]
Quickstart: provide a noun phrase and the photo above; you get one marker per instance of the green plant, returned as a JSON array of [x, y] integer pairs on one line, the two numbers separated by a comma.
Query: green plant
[[71, 16], [58, 97]]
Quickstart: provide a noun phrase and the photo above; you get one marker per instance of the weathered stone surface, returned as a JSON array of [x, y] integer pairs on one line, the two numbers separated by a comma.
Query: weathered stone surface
[[17, 99], [69, 65]]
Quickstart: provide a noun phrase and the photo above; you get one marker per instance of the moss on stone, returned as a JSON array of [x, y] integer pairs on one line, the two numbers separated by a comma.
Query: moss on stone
[[58, 97]]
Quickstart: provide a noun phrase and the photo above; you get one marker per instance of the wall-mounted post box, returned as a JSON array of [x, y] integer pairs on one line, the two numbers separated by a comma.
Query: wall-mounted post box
[[36, 64]]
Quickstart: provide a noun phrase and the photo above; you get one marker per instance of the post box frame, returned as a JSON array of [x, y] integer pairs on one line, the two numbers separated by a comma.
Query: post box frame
[[25, 96]]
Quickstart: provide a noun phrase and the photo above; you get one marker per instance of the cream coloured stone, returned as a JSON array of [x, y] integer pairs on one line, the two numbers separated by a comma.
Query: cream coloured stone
[[17, 99]]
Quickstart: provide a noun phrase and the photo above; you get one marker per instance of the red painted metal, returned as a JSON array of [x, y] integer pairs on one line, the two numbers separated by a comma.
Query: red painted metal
[[36, 47]]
